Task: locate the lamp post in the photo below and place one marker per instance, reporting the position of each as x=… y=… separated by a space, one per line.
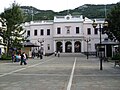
x=41 y=44
x=105 y=24
x=87 y=40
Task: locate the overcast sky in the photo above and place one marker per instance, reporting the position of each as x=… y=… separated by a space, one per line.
x=55 y=5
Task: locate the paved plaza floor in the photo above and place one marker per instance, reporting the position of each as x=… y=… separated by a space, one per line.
x=67 y=72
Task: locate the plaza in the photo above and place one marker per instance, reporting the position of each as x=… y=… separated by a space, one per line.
x=67 y=72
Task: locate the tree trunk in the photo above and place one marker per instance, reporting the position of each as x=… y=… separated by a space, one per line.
x=8 y=46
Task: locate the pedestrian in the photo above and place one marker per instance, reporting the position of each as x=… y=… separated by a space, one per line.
x=55 y=53
x=23 y=59
x=58 y=53
x=33 y=54
x=13 y=57
x=40 y=54
x=18 y=57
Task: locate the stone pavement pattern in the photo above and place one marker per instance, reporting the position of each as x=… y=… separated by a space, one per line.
x=54 y=73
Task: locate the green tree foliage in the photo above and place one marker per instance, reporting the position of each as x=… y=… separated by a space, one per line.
x=114 y=22
x=14 y=18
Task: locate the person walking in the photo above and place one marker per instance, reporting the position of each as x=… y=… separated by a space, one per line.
x=33 y=54
x=40 y=54
x=55 y=53
x=13 y=57
x=23 y=59
x=58 y=53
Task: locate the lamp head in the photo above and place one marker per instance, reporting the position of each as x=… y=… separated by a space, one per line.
x=105 y=24
x=94 y=24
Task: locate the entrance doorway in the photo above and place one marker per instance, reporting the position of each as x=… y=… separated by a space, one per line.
x=68 y=47
x=59 y=46
x=77 y=46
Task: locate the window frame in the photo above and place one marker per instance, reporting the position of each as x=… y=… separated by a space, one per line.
x=88 y=31
x=41 y=32
x=35 y=32
x=58 y=30
x=48 y=31
x=77 y=30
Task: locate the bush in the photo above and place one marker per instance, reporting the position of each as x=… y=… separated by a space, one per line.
x=5 y=57
x=116 y=57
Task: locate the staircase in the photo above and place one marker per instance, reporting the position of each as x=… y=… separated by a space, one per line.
x=72 y=55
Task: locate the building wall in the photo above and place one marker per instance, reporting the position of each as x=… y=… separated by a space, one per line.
x=2 y=48
x=47 y=40
x=65 y=23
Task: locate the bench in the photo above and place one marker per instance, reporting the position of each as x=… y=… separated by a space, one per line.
x=117 y=62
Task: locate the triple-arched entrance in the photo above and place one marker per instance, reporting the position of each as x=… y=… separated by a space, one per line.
x=68 y=46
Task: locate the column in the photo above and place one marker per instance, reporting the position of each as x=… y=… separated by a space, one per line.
x=105 y=51
x=73 y=47
x=43 y=44
x=82 y=46
x=54 y=45
x=63 y=43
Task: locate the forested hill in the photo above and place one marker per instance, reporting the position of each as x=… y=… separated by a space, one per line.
x=88 y=10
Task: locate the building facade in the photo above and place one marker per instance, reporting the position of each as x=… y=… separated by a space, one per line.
x=3 y=27
x=67 y=34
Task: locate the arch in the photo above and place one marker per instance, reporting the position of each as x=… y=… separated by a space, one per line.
x=59 y=46
x=68 y=46
x=77 y=46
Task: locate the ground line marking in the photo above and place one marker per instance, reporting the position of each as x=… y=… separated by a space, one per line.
x=71 y=77
x=25 y=68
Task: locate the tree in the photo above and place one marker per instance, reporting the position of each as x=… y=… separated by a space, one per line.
x=14 y=16
x=114 y=22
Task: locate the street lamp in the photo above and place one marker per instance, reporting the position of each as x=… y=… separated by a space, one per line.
x=105 y=25
x=87 y=40
x=41 y=43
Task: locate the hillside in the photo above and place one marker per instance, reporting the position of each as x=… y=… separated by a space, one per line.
x=87 y=10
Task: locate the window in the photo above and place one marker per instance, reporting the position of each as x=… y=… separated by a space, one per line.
x=58 y=30
x=28 y=33
x=48 y=31
x=67 y=18
x=88 y=31
x=41 y=32
x=96 y=31
x=48 y=46
x=77 y=30
x=35 y=32
x=68 y=31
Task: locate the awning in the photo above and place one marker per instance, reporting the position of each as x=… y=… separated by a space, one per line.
x=108 y=42
x=29 y=44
